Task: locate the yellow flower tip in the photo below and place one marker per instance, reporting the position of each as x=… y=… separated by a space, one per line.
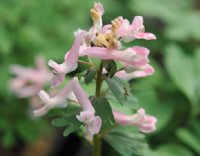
x=94 y=14
x=115 y=24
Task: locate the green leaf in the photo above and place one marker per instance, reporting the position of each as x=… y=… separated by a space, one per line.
x=68 y=120
x=189 y=139
x=130 y=104
x=71 y=110
x=59 y=122
x=103 y=109
x=173 y=150
x=116 y=89
x=110 y=67
x=169 y=149
x=126 y=141
x=181 y=68
x=71 y=128
x=185 y=28
x=123 y=83
x=90 y=75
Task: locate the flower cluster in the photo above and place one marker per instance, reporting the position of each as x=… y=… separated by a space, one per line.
x=105 y=43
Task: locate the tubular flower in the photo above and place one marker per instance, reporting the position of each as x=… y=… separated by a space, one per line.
x=29 y=81
x=69 y=64
x=96 y=15
x=142 y=71
x=87 y=116
x=58 y=101
x=135 y=30
x=145 y=123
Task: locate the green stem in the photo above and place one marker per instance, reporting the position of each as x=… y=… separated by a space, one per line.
x=86 y=63
x=99 y=80
x=97 y=145
x=97 y=139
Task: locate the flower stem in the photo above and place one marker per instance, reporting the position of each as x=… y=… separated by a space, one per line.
x=99 y=80
x=97 y=142
x=97 y=145
x=86 y=63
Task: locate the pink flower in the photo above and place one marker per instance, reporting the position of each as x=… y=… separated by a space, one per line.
x=96 y=13
x=145 y=123
x=69 y=64
x=129 y=32
x=29 y=81
x=87 y=116
x=134 y=57
x=58 y=101
x=142 y=71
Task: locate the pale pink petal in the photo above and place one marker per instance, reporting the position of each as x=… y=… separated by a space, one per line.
x=73 y=55
x=17 y=69
x=145 y=35
x=141 y=51
x=145 y=123
x=41 y=111
x=70 y=62
x=99 y=8
x=81 y=96
x=43 y=95
x=16 y=84
x=135 y=30
x=122 y=119
x=95 y=127
x=149 y=124
x=86 y=116
x=57 y=80
x=60 y=100
x=148 y=70
x=137 y=24
x=58 y=68
x=105 y=54
x=131 y=56
x=27 y=91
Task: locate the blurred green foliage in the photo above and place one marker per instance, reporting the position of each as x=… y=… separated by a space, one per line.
x=172 y=94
